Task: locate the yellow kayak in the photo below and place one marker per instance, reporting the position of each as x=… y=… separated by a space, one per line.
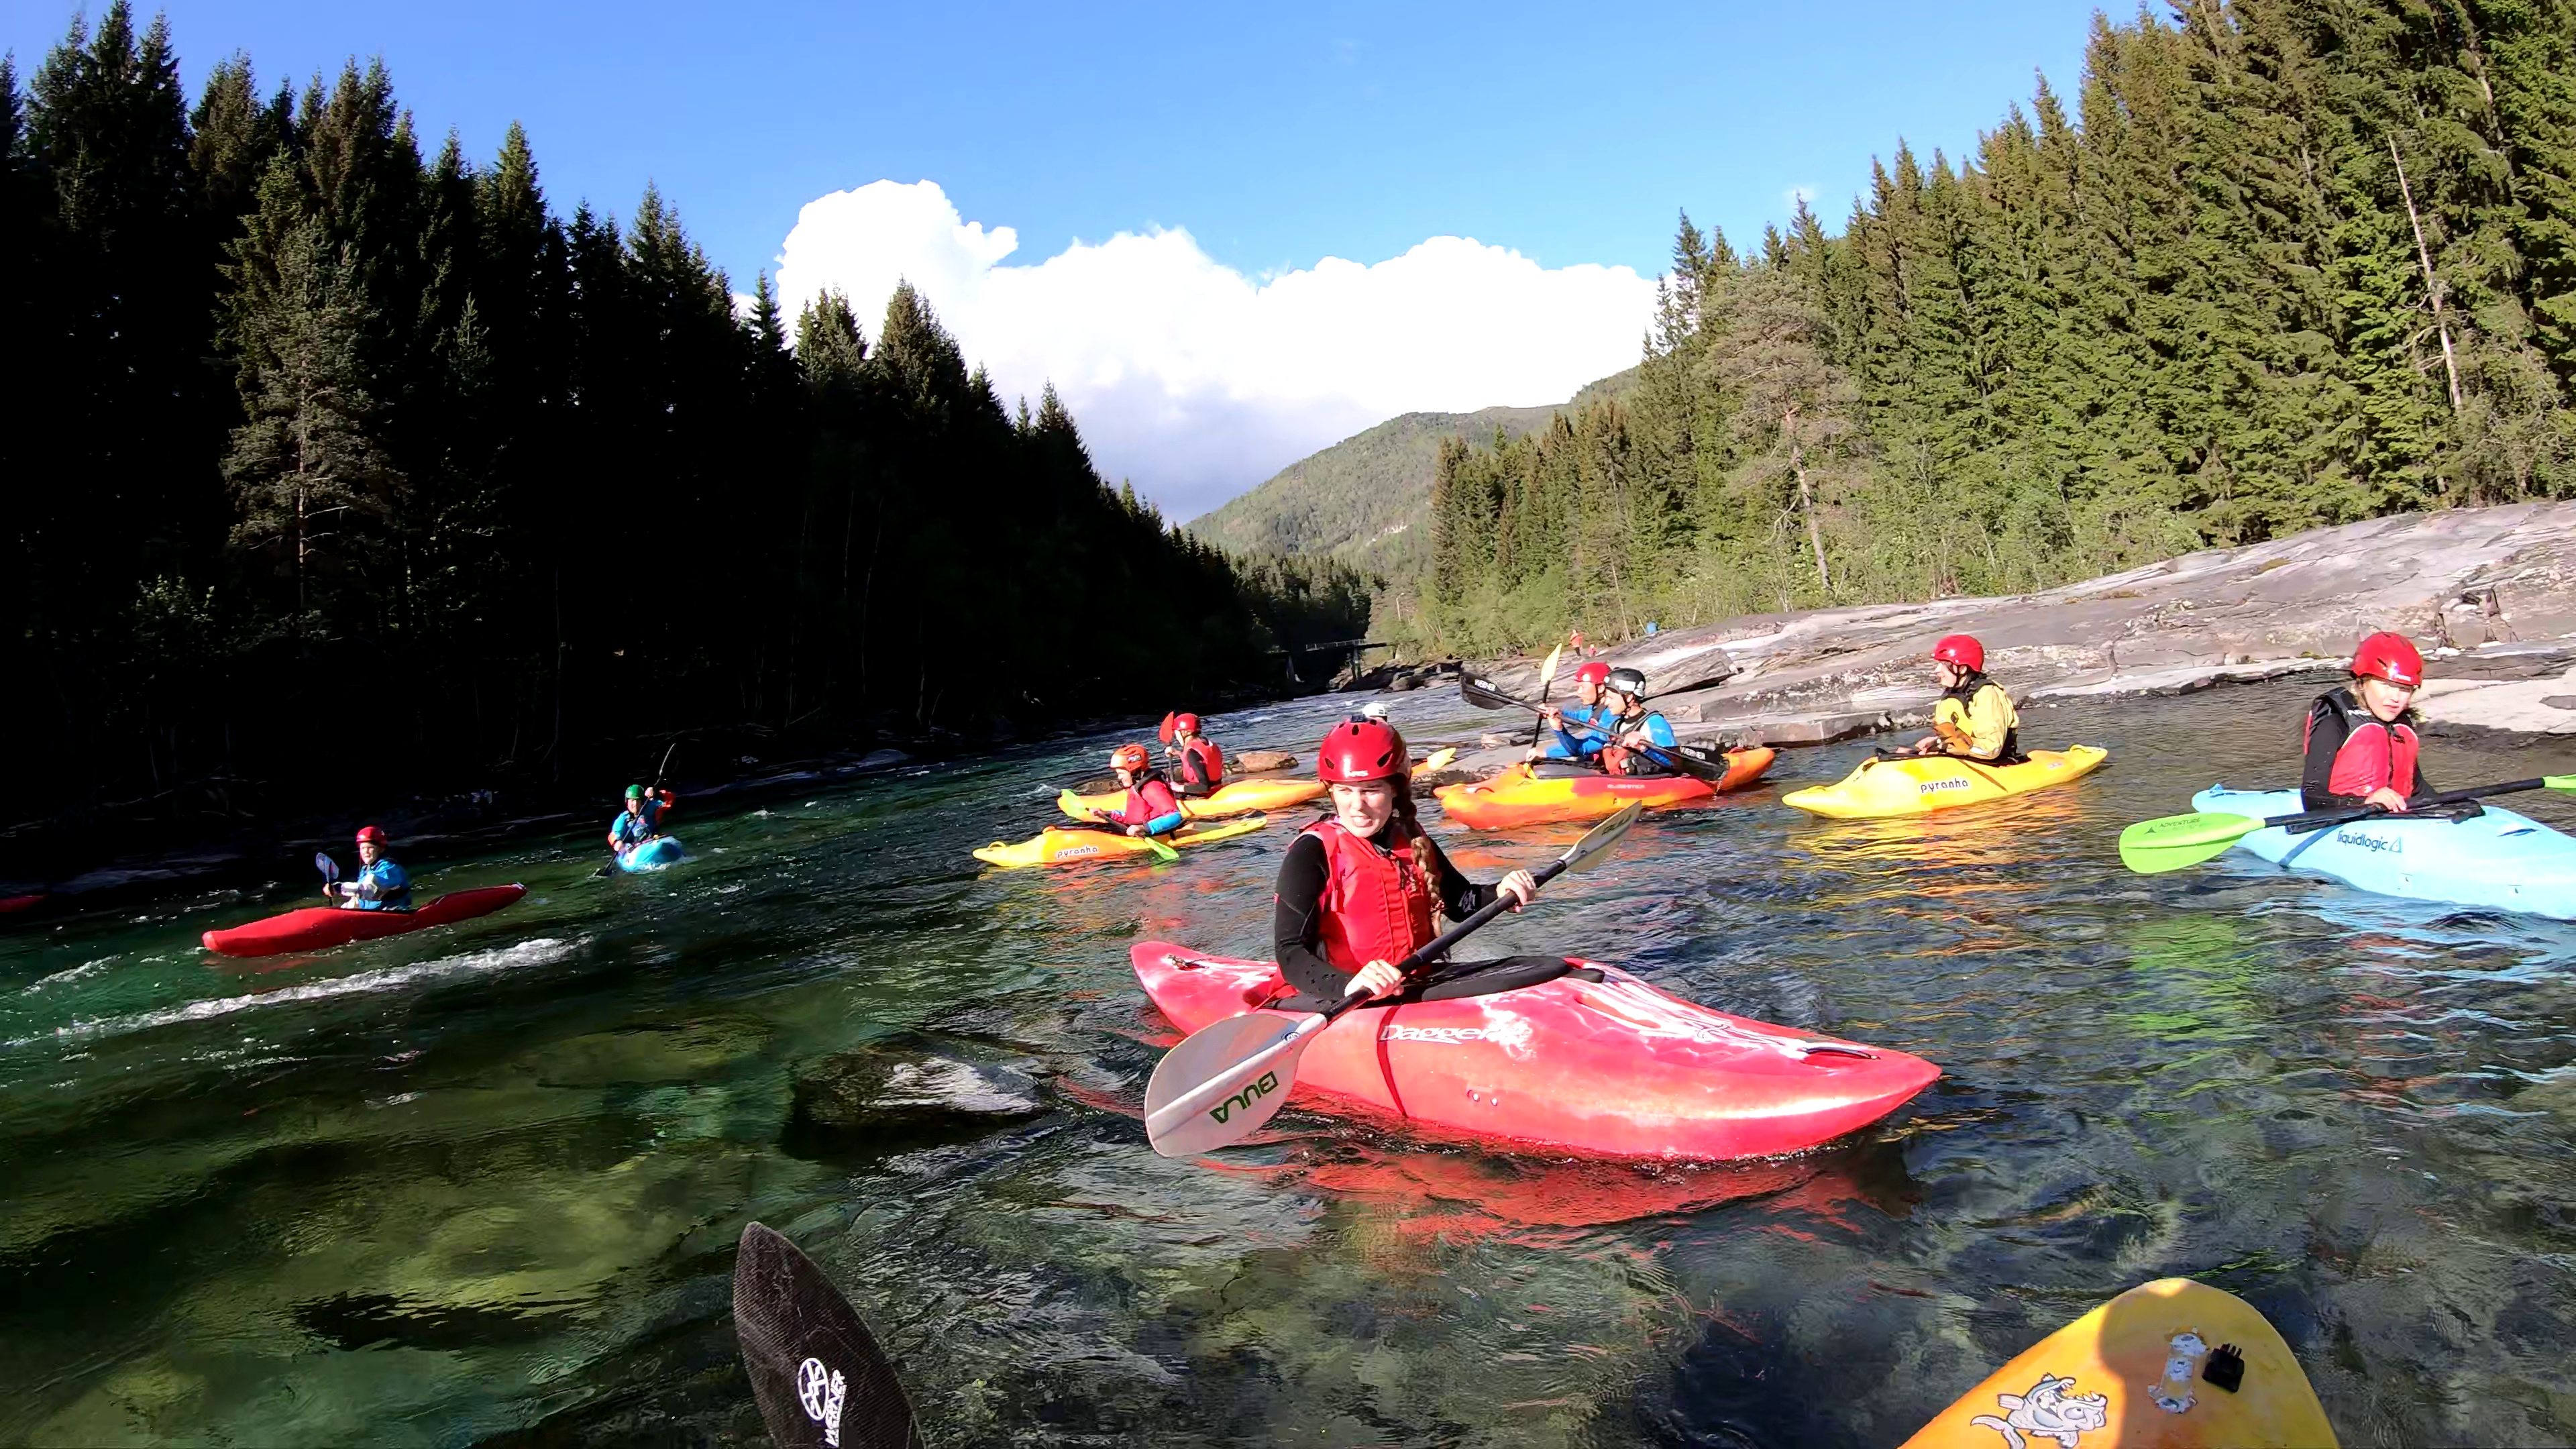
x=2167 y=1365
x=1913 y=786
x=1057 y=846
x=1237 y=798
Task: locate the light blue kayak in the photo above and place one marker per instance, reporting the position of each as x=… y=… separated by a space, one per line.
x=2499 y=859
x=653 y=854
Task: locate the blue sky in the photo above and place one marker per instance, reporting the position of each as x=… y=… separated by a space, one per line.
x=1276 y=137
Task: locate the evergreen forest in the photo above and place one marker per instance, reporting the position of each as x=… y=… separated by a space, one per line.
x=344 y=465
x=2282 y=263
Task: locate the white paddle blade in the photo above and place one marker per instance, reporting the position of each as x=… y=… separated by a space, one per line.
x=1603 y=838
x=1225 y=1080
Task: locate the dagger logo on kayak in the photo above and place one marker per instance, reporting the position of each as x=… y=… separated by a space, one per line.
x=821 y=1392
x=1268 y=1084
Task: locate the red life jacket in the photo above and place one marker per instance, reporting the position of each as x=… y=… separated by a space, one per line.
x=2374 y=753
x=1377 y=905
x=1147 y=801
x=1209 y=759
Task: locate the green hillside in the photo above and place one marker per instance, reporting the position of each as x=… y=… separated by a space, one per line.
x=1364 y=499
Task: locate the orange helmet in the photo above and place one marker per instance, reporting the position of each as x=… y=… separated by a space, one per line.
x=2388 y=656
x=1130 y=757
x=1962 y=650
x=1361 y=749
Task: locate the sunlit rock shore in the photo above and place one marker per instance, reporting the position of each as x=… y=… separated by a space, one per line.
x=2489 y=593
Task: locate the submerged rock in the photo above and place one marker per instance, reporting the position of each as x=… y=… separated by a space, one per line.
x=907 y=1090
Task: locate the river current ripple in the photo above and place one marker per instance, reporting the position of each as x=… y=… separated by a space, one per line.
x=482 y=1184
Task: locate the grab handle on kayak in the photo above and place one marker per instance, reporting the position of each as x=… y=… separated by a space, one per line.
x=1837 y=1049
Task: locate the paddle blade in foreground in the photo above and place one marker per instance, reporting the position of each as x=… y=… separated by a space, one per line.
x=1603 y=838
x=2152 y=847
x=1237 y=1050
x=817 y=1376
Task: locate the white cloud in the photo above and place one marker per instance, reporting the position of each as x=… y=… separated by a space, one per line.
x=1802 y=194
x=1197 y=381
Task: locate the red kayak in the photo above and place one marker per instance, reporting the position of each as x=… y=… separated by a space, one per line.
x=317 y=928
x=18 y=903
x=1612 y=1068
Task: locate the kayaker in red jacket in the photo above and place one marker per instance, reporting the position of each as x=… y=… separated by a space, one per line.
x=1359 y=891
x=1150 y=808
x=2361 y=745
x=1198 y=766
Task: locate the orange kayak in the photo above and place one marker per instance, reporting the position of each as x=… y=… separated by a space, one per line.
x=1517 y=797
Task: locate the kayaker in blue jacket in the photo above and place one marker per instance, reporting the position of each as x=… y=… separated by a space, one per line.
x=1582 y=746
x=642 y=819
x=380 y=885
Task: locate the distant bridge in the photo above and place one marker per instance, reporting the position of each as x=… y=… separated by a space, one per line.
x=1326 y=658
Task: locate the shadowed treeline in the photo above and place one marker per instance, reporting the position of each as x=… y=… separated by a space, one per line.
x=336 y=463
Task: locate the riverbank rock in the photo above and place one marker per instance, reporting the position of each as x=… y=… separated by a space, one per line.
x=2485 y=584
x=908 y=1091
x=1261 y=762
x=2542 y=706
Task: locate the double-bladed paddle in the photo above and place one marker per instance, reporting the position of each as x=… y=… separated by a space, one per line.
x=2152 y=847
x=1483 y=695
x=330 y=870
x=819 y=1379
x=1546 y=682
x=1071 y=804
x=1438 y=759
x=1228 y=1077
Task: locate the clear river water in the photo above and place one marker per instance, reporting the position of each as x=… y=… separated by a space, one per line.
x=482 y=1184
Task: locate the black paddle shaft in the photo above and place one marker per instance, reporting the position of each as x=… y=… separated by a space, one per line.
x=2316 y=820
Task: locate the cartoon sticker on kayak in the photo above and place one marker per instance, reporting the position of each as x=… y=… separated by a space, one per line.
x=2047 y=1411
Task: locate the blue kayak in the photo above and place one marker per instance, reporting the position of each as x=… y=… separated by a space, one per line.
x=653 y=854
x=2499 y=859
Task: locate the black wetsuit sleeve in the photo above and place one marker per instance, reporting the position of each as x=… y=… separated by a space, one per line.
x=2423 y=786
x=2326 y=733
x=1297 y=923
x=1459 y=896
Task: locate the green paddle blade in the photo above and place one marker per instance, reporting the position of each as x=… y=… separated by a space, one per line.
x=2560 y=782
x=2152 y=847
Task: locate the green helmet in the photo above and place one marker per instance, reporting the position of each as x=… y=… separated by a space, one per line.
x=634 y=792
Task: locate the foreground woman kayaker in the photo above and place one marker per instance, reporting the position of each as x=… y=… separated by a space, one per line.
x=2361 y=745
x=380 y=885
x=1198 y=766
x=1974 y=719
x=641 y=819
x=1151 y=808
x=1358 y=891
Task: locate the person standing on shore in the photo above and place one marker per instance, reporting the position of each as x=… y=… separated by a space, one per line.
x=1198 y=766
x=1974 y=718
x=380 y=885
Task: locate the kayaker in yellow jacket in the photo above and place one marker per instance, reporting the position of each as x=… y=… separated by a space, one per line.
x=1974 y=719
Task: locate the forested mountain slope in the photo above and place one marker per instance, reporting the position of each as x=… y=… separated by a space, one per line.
x=2282 y=263
x=1364 y=499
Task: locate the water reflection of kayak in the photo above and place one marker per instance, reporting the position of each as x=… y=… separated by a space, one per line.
x=2167 y=1365
x=1613 y=1068
x=2498 y=858
x=317 y=928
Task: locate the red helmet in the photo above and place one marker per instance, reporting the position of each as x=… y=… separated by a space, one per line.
x=368 y=832
x=1962 y=650
x=2392 y=657
x=1361 y=749
x=1130 y=757
x=1186 y=722
x=1595 y=672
